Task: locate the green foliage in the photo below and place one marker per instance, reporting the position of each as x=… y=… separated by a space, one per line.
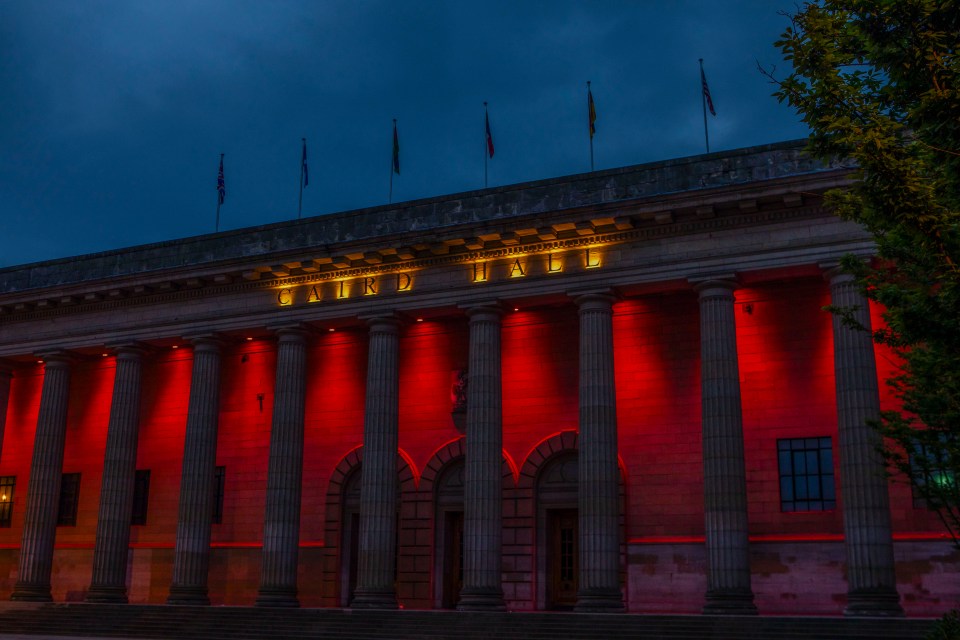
x=946 y=628
x=878 y=82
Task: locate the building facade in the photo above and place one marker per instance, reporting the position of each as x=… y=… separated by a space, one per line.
x=606 y=392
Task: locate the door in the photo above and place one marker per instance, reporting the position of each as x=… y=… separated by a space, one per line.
x=453 y=558
x=563 y=558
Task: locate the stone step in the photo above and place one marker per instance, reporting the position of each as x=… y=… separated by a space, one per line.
x=241 y=623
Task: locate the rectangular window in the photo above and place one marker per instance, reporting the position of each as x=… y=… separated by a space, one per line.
x=930 y=469
x=806 y=474
x=141 y=492
x=69 y=498
x=7 y=485
x=218 y=482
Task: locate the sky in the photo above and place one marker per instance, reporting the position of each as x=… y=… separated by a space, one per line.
x=114 y=113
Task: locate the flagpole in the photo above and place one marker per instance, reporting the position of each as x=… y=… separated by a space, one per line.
x=393 y=144
x=219 y=201
x=485 y=149
x=703 y=99
x=300 y=204
x=589 y=128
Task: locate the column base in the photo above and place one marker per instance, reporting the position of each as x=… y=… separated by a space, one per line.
x=730 y=602
x=481 y=599
x=27 y=592
x=188 y=595
x=370 y=598
x=599 y=600
x=277 y=597
x=878 y=602
x=105 y=594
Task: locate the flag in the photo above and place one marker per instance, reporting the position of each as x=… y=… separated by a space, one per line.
x=706 y=91
x=396 y=149
x=592 y=111
x=303 y=163
x=221 y=186
x=489 y=135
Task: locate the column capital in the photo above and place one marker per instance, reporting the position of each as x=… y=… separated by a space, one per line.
x=129 y=350
x=488 y=310
x=208 y=342
x=293 y=332
x=594 y=299
x=57 y=359
x=835 y=274
x=383 y=323
x=729 y=282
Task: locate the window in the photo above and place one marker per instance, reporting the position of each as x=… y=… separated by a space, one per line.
x=141 y=491
x=929 y=464
x=806 y=474
x=69 y=497
x=7 y=485
x=218 y=481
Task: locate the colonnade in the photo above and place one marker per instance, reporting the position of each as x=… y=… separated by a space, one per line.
x=866 y=518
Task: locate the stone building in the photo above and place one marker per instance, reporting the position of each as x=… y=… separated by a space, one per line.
x=609 y=391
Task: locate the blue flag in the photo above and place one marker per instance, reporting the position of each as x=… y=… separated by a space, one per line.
x=221 y=186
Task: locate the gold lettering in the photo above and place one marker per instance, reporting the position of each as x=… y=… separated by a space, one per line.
x=404 y=282
x=314 y=295
x=516 y=270
x=593 y=260
x=370 y=286
x=284 y=298
x=479 y=271
x=342 y=292
x=553 y=266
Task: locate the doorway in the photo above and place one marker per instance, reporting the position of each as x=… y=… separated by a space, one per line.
x=563 y=554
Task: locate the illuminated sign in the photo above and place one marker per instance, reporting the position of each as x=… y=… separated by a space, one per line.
x=484 y=270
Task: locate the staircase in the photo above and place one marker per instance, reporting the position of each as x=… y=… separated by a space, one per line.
x=240 y=623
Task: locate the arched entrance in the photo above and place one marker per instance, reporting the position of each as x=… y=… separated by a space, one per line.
x=350 y=537
x=449 y=534
x=558 y=532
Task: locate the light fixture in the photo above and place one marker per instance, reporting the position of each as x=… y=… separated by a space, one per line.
x=249 y=338
x=419 y=319
x=331 y=329
x=39 y=361
x=104 y=354
x=176 y=346
x=516 y=308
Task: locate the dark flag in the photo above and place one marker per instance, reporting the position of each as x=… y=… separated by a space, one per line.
x=221 y=185
x=396 y=149
x=489 y=135
x=592 y=112
x=706 y=91
x=303 y=162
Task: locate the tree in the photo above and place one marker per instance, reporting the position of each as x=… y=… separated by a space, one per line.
x=878 y=82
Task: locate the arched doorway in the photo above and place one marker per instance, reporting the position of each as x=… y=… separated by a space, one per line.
x=558 y=532
x=449 y=534
x=350 y=537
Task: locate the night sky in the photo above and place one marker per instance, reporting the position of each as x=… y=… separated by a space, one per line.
x=113 y=114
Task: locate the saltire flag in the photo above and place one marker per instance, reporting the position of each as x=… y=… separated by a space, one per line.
x=396 y=149
x=221 y=185
x=706 y=91
x=303 y=163
x=592 y=111
x=489 y=135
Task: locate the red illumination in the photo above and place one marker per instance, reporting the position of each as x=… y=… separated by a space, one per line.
x=331 y=329
x=176 y=346
x=249 y=338
x=419 y=319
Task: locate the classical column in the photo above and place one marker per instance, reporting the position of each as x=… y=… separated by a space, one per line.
x=111 y=550
x=281 y=527
x=482 y=497
x=871 y=581
x=6 y=373
x=376 y=569
x=599 y=508
x=191 y=559
x=724 y=472
x=43 y=492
